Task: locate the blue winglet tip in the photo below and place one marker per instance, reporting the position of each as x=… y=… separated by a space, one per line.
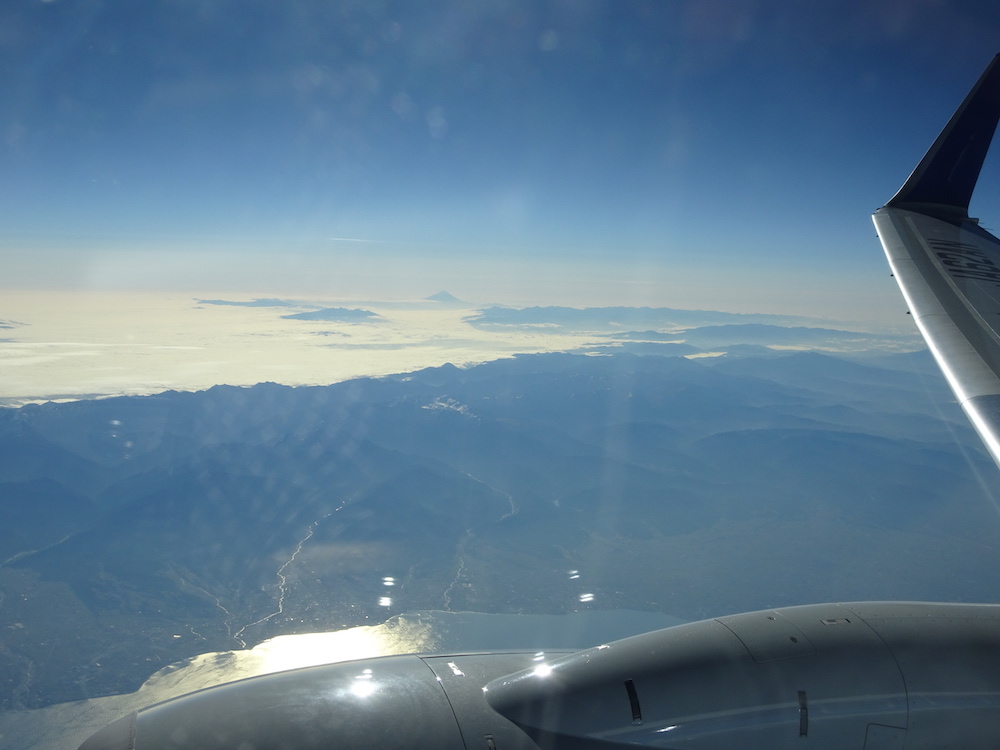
x=945 y=178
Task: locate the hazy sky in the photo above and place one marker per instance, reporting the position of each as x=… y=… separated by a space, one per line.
x=610 y=150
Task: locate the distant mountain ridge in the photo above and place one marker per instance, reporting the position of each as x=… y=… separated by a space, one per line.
x=768 y=335
x=261 y=302
x=339 y=314
x=616 y=318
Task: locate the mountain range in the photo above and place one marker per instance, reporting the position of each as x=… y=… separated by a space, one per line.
x=139 y=531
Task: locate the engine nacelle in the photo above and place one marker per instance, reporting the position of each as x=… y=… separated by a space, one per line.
x=872 y=676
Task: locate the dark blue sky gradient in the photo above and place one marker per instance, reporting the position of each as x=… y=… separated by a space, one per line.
x=566 y=129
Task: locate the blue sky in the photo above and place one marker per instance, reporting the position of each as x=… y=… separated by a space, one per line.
x=718 y=137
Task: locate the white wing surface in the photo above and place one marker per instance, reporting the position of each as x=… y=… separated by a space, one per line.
x=946 y=265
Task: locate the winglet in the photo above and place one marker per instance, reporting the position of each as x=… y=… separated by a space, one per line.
x=943 y=181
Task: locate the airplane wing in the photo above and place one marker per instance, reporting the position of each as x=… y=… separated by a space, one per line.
x=946 y=265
